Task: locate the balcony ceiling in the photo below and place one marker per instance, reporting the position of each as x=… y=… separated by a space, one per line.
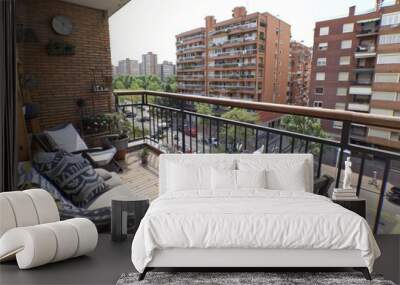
x=111 y=6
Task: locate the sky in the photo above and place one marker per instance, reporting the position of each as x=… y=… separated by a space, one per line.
x=151 y=25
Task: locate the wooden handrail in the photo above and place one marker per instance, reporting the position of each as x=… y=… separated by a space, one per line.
x=328 y=114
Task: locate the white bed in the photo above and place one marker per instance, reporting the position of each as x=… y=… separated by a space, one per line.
x=193 y=224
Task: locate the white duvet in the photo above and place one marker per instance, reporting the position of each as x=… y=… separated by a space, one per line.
x=250 y=219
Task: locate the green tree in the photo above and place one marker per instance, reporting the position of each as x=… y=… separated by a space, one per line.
x=118 y=84
x=304 y=125
x=170 y=84
x=204 y=109
x=240 y=115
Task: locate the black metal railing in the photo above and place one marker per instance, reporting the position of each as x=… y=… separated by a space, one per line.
x=169 y=122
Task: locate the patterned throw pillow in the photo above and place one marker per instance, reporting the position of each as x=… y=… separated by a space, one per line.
x=71 y=174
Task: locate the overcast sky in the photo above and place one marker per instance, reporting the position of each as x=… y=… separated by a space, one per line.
x=151 y=25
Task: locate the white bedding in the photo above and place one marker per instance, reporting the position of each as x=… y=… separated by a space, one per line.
x=250 y=219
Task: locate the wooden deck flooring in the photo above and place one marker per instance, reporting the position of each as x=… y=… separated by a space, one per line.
x=143 y=180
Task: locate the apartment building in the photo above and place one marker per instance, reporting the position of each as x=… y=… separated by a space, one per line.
x=149 y=64
x=127 y=67
x=166 y=69
x=356 y=67
x=300 y=58
x=245 y=57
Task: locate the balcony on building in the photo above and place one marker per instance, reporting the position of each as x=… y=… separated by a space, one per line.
x=362 y=82
x=234 y=28
x=365 y=65
x=191 y=58
x=358 y=107
x=365 y=51
x=368 y=27
x=360 y=90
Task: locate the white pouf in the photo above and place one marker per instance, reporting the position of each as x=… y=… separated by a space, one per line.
x=31 y=233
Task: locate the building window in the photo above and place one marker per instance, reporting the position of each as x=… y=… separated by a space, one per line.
x=346 y=44
x=388 y=58
x=344 y=60
x=390 y=19
x=379 y=133
x=320 y=76
x=389 y=39
x=317 y=104
x=387 y=77
x=348 y=28
x=324 y=31
x=323 y=46
x=321 y=61
x=341 y=91
x=319 y=91
x=343 y=76
x=338 y=124
x=384 y=112
x=385 y=96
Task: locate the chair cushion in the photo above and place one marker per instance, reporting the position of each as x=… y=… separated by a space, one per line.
x=67 y=138
x=102 y=157
x=103 y=173
x=73 y=175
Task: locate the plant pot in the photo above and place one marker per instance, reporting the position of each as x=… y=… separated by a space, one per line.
x=145 y=161
x=121 y=154
x=121 y=145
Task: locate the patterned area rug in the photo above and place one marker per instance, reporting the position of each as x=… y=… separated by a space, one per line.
x=269 y=278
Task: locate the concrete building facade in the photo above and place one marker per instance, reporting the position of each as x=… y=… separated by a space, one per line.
x=149 y=64
x=166 y=69
x=356 y=67
x=300 y=58
x=128 y=67
x=245 y=57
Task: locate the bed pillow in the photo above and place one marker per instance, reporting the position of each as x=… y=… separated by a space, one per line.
x=251 y=179
x=278 y=179
x=72 y=175
x=185 y=178
x=223 y=179
x=282 y=174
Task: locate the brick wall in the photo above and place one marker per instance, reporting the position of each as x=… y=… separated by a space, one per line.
x=61 y=80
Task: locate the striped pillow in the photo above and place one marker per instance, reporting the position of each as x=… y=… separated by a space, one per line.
x=73 y=175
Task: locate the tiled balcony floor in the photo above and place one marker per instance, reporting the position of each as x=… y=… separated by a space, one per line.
x=142 y=180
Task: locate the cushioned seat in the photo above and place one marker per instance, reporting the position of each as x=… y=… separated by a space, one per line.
x=67 y=138
x=31 y=233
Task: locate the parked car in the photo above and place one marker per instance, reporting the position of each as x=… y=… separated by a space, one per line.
x=130 y=114
x=394 y=195
x=211 y=141
x=163 y=126
x=144 y=119
x=192 y=132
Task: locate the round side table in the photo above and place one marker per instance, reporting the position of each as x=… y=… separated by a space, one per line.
x=126 y=215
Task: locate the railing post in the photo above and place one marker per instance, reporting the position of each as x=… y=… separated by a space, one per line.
x=344 y=142
x=382 y=194
x=141 y=113
x=183 y=125
x=116 y=102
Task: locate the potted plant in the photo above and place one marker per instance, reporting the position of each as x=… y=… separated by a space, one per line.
x=144 y=156
x=120 y=128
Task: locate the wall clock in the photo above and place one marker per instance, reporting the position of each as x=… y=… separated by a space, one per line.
x=62 y=25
